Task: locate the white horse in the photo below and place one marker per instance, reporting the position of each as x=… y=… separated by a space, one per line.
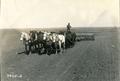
x=46 y=40
x=24 y=36
x=26 y=41
x=61 y=42
x=56 y=39
x=60 y=39
x=45 y=35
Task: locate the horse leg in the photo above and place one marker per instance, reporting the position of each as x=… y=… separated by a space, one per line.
x=49 y=50
x=56 y=48
x=38 y=48
x=46 y=49
x=35 y=45
x=26 y=49
x=63 y=44
x=30 y=46
x=63 y=47
x=60 y=46
x=53 y=48
x=42 y=48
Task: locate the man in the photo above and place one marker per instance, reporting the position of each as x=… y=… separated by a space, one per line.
x=68 y=27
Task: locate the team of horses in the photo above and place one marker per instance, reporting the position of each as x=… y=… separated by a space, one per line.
x=44 y=42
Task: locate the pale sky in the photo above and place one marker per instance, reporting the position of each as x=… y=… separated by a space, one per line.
x=57 y=13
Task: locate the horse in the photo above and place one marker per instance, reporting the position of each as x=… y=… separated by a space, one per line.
x=61 y=42
x=52 y=41
x=26 y=41
x=41 y=41
x=58 y=39
x=33 y=37
x=47 y=38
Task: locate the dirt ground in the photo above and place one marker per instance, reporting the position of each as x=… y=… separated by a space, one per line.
x=87 y=61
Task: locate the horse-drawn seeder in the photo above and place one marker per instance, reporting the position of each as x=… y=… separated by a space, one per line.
x=43 y=42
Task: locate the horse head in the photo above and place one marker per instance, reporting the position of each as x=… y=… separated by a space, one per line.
x=44 y=36
x=24 y=36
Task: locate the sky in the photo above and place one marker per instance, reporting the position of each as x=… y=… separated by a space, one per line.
x=57 y=13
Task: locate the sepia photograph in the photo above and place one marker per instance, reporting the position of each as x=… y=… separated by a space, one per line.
x=60 y=40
